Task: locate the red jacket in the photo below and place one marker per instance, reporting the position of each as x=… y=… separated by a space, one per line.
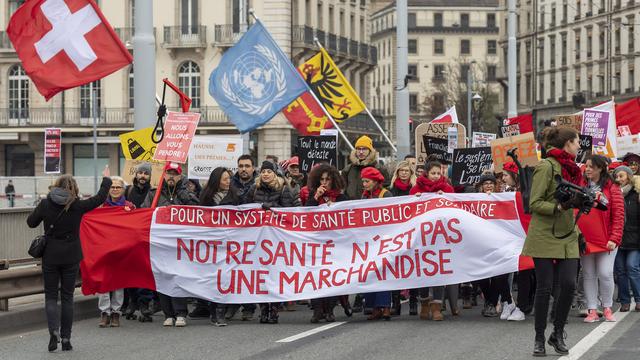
x=598 y=227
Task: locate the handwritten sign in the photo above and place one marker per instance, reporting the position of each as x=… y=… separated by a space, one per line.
x=317 y=149
x=595 y=123
x=624 y=130
x=572 y=121
x=437 y=147
x=435 y=130
x=179 y=130
x=510 y=130
x=526 y=144
x=469 y=164
x=209 y=152
x=481 y=139
x=586 y=148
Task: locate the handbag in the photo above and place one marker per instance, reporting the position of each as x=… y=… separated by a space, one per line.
x=36 y=249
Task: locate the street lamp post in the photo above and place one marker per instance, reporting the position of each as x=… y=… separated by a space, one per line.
x=469 y=83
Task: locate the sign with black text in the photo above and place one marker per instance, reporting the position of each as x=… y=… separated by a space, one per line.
x=586 y=148
x=510 y=130
x=317 y=149
x=437 y=147
x=52 y=150
x=469 y=164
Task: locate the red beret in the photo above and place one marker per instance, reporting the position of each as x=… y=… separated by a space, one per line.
x=372 y=173
x=510 y=167
x=615 y=165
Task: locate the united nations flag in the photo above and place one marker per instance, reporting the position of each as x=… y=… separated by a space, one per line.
x=255 y=80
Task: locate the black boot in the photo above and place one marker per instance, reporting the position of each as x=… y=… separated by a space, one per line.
x=264 y=313
x=54 y=339
x=557 y=341
x=66 y=345
x=273 y=314
x=538 y=346
x=357 y=304
x=413 y=307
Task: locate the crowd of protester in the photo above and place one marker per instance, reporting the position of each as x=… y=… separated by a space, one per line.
x=577 y=270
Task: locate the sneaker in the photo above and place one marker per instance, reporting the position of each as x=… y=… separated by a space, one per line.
x=582 y=310
x=168 y=322
x=516 y=315
x=220 y=322
x=507 y=309
x=608 y=315
x=592 y=317
x=181 y=321
x=490 y=311
x=247 y=315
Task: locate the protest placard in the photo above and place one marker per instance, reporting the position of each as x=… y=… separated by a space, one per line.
x=452 y=139
x=317 y=149
x=629 y=144
x=572 y=121
x=526 y=144
x=469 y=164
x=624 y=130
x=137 y=145
x=510 y=130
x=179 y=129
x=586 y=148
x=129 y=171
x=595 y=123
x=210 y=151
x=52 y=150
x=481 y=139
x=437 y=147
x=436 y=130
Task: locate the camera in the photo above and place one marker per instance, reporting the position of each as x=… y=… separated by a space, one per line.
x=581 y=198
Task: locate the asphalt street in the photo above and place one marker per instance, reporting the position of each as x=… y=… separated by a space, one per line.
x=468 y=336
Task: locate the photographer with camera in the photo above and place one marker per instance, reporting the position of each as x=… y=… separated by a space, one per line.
x=602 y=232
x=549 y=250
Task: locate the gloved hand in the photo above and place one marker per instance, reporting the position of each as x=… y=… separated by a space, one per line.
x=266 y=206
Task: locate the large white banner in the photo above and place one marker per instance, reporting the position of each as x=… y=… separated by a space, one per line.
x=249 y=255
x=209 y=152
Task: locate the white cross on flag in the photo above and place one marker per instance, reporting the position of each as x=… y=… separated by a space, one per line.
x=65 y=43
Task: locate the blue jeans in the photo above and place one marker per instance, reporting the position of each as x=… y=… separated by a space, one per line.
x=627 y=269
x=378 y=299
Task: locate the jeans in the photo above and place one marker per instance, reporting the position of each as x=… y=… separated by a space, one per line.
x=567 y=272
x=627 y=269
x=62 y=279
x=111 y=302
x=597 y=271
x=173 y=307
x=378 y=299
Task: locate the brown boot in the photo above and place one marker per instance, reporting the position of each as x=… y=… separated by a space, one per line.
x=115 y=320
x=104 y=320
x=425 y=311
x=386 y=313
x=376 y=314
x=436 y=314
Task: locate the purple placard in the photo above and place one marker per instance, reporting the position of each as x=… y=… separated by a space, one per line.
x=596 y=123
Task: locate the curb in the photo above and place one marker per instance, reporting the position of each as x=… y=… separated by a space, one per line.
x=33 y=317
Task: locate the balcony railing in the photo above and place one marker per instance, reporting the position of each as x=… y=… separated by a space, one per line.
x=228 y=34
x=362 y=123
x=333 y=42
x=343 y=45
x=302 y=35
x=5 y=43
x=322 y=37
x=364 y=52
x=353 y=48
x=185 y=36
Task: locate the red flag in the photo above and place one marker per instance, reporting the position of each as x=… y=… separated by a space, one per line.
x=628 y=113
x=65 y=43
x=306 y=115
x=450 y=116
x=185 y=101
x=524 y=121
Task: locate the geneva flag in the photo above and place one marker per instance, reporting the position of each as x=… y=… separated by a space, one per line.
x=254 y=80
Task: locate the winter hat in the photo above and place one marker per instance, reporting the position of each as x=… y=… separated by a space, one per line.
x=615 y=165
x=372 y=173
x=625 y=169
x=173 y=166
x=268 y=165
x=487 y=177
x=364 y=141
x=510 y=167
x=631 y=157
x=144 y=167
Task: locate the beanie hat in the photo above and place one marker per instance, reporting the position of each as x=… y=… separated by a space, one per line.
x=625 y=169
x=364 y=141
x=372 y=173
x=615 y=165
x=510 y=167
x=487 y=177
x=173 y=166
x=268 y=165
x=144 y=167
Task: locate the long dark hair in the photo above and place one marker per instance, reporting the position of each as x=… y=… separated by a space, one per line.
x=213 y=186
x=313 y=182
x=602 y=163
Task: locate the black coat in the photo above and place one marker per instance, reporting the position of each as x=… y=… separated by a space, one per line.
x=63 y=243
x=397 y=192
x=232 y=198
x=137 y=194
x=630 y=236
x=179 y=195
x=271 y=198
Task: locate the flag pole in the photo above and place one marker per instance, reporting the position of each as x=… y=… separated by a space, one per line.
x=367 y=110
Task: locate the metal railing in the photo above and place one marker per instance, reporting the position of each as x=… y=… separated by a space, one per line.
x=228 y=34
x=343 y=45
x=333 y=42
x=15 y=235
x=353 y=48
x=185 y=36
x=302 y=35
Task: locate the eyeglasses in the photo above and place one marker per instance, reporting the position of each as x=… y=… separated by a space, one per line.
x=116 y=187
x=362 y=149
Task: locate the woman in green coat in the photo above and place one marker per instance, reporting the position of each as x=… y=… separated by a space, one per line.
x=550 y=221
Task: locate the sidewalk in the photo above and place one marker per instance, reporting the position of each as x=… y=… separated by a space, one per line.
x=27 y=313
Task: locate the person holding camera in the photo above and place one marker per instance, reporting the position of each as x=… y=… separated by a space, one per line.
x=602 y=232
x=552 y=239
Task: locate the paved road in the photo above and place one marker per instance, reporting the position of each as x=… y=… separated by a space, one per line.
x=469 y=336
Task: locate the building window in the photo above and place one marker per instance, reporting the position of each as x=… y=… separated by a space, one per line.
x=491 y=20
x=564 y=49
x=86 y=99
x=19 y=160
x=492 y=47
x=437 y=19
x=189 y=16
x=83 y=164
x=528 y=54
x=131 y=90
x=552 y=52
x=438 y=46
x=413 y=102
x=589 y=44
x=413 y=46
x=464 y=72
x=528 y=88
x=465 y=47
x=542 y=18
x=132 y=12
x=320 y=17
x=553 y=16
x=412 y=72
x=491 y=73
x=411 y=20
x=438 y=72
x=631 y=33
x=577 y=46
x=189 y=82
x=18 y=93
x=464 y=20
x=631 y=80
x=14 y=5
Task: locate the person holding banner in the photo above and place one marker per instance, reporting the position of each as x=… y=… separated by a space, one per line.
x=245 y=176
x=380 y=302
x=432 y=181
x=327 y=186
x=551 y=252
x=602 y=230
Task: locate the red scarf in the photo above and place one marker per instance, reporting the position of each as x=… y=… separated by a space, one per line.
x=424 y=185
x=400 y=185
x=372 y=195
x=329 y=195
x=570 y=170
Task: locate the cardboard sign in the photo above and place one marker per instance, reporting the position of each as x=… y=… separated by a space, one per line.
x=481 y=139
x=130 y=166
x=510 y=130
x=572 y=121
x=595 y=123
x=586 y=148
x=179 y=129
x=137 y=145
x=52 y=150
x=469 y=164
x=624 y=130
x=317 y=149
x=437 y=147
x=435 y=130
x=629 y=144
x=209 y=152
x=526 y=144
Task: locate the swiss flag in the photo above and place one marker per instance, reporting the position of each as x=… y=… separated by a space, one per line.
x=628 y=113
x=450 y=116
x=65 y=43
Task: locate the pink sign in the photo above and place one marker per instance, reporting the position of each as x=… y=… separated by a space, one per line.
x=179 y=129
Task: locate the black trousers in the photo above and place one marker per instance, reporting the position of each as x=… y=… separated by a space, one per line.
x=526 y=289
x=496 y=287
x=566 y=271
x=59 y=279
x=173 y=307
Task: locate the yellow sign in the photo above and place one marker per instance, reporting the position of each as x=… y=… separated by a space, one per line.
x=137 y=145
